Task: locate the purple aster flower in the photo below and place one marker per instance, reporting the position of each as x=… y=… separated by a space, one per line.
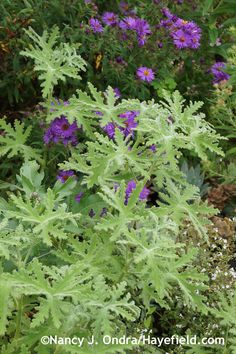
x=130 y=123
x=186 y=34
x=95 y=25
x=50 y=137
x=60 y=130
x=79 y=196
x=124 y=7
x=139 y=25
x=145 y=74
x=110 y=130
x=218 y=73
x=143 y=30
x=117 y=92
x=110 y=19
x=64 y=175
x=63 y=128
x=131 y=185
x=128 y=23
x=181 y=39
x=153 y=148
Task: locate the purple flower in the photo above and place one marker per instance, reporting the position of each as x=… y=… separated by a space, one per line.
x=117 y=92
x=128 y=23
x=124 y=7
x=145 y=74
x=144 y=193
x=153 y=148
x=60 y=130
x=79 y=196
x=181 y=39
x=64 y=175
x=130 y=123
x=143 y=30
x=139 y=25
x=218 y=73
x=131 y=185
x=110 y=19
x=185 y=34
x=120 y=60
x=110 y=130
x=95 y=25
x=98 y=113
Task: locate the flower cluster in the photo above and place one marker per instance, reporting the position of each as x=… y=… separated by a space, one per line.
x=129 y=122
x=218 y=73
x=139 y=25
x=131 y=185
x=185 y=34
x=60 y=130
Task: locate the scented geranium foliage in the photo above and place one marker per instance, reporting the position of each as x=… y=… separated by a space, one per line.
x=88 y=253
x=53 y=63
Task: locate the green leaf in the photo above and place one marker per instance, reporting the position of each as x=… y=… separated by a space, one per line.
x=13 y=141
x=53 y=63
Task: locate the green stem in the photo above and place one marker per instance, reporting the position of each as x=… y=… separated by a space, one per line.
x=18 y=319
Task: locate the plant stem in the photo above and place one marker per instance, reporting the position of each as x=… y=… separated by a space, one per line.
x=18 y=319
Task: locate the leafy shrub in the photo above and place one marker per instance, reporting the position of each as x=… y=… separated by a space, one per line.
x=98 y=251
